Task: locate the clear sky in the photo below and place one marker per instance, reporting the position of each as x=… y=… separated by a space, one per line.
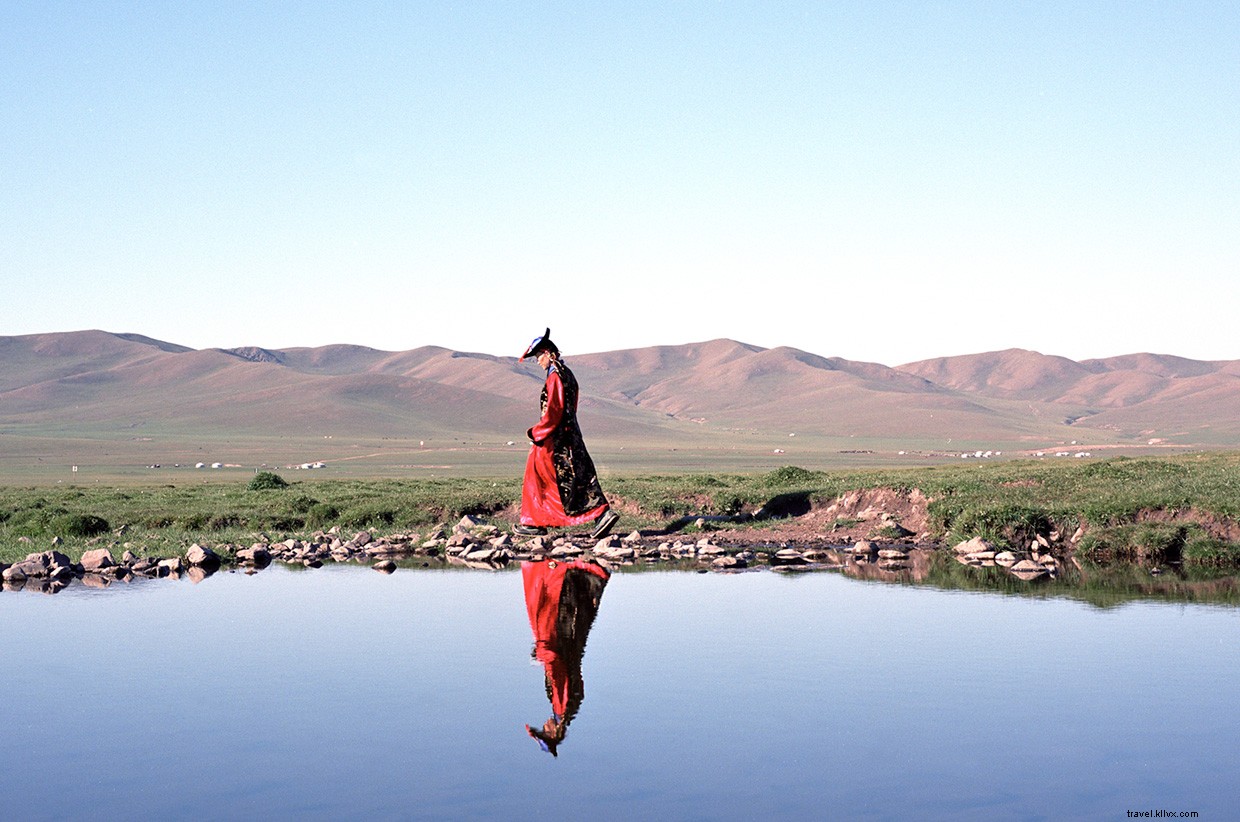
x=881 y=181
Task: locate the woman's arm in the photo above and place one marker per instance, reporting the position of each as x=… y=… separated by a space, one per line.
x=554 y=412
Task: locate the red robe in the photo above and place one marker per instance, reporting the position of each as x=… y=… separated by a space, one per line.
x=561 y=486
x=560 y=655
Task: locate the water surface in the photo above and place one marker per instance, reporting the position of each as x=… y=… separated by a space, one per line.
x=343 y=692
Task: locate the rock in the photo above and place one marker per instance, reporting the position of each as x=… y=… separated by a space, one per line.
x=129 y=557
x=467 y=522
x=171 y=566
x=619 y=553
x=56 y=559
x=1005 y=558
x=679 y=549
x=144 y=564
x=256 y=555
x=34 y=565
x=201 y=556
x=892 y=553
x=97 y=559
x=362 y=538
x=385 y=566
x=607 y=544
x=981 y=556
x=863 y=547
x=1044 y=542
x=1027 y=570
x=13 y=573
x=57 y=541
x=728 y=562
x=973 y=546
x=634 y=536
x=567 y=550
x=502 y=541
x=788 y=556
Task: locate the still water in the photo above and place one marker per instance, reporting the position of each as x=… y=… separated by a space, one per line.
x=343 y=693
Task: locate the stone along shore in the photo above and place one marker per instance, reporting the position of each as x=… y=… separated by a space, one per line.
x=477 y=544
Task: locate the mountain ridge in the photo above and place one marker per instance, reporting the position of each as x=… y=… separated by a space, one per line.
x=107 y=381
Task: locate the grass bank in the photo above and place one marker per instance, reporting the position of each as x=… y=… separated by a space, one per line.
x=1133 y=507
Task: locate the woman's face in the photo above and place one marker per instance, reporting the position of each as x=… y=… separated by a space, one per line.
x=544 y=359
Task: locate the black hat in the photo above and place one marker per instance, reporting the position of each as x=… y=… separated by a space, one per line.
x=548 y=742
x=540 y=344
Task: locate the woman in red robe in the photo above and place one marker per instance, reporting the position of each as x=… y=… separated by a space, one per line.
x=561 y=486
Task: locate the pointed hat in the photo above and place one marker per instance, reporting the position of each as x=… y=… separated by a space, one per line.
x=541 y=343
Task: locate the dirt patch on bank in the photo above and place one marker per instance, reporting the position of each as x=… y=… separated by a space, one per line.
x=872 y=514
x=1216 y=525
x=886 y=514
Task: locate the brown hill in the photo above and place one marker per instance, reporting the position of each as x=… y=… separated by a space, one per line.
x=734 y=385
x=1011 y=374
x=94 y=382
x=1135 y=395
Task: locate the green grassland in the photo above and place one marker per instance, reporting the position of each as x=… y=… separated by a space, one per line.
x=1135 y=507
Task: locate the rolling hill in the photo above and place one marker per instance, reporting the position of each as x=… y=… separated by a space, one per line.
x=101 y=384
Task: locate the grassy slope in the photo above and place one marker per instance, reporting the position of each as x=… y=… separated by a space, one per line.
x=1004 y=501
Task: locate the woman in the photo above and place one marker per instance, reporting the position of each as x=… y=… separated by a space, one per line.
x=561 y=486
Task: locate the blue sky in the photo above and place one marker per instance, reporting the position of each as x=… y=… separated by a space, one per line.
x=878 y=181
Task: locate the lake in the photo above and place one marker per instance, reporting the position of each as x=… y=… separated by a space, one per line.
x=343 y=692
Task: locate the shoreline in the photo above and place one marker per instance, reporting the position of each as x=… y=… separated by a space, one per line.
x=472 y=543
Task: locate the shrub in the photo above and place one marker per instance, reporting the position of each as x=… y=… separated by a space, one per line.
x=302 y=504
x=321 y=514
x=1203 y=549
x=791 y=475
x=1161 y=542
x=365 y=516
x=223 y=521
x=266 y=480
x=79 y=525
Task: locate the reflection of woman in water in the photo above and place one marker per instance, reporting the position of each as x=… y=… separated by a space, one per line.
x=562 y=599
